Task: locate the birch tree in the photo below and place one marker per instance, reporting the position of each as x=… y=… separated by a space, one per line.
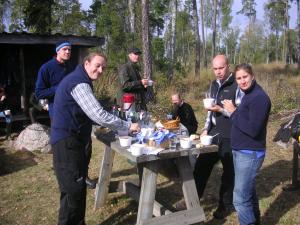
x=147 y=60
x=197 y=39
x=214 y=27
x=171 y=43
x=298 y=31
x=298 y=26
x=203 y=33
x=131 y=15
x=225 y=22
x=248 y=9
x=275 y=12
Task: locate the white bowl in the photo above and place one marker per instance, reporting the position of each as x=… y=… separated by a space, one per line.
x=125 y=141
x=7 y=112
x=208 y=102
x=185 y=142
x=137 y=149
x=206 y=139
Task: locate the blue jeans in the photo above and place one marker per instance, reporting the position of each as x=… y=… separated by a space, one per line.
x=246 y=167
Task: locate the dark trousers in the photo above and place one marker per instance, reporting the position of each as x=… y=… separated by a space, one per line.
x=70 y=161
x=204 y=166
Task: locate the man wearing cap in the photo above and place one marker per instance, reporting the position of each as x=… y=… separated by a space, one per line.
x=52 y=72
x=131 y=81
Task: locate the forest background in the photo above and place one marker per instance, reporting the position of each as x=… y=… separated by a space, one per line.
x=184 y=36
x=180 y=53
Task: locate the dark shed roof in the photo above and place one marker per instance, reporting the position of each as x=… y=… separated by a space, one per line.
x=33 y=39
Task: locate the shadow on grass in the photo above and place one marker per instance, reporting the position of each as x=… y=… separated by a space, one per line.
x=14 y=161
x=124 y=216
x=273 y=176
x=125 y=172
x=269 y=178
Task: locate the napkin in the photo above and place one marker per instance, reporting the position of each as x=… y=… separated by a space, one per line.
x=162 y=135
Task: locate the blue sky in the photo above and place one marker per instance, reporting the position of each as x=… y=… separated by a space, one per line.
x=237 y=19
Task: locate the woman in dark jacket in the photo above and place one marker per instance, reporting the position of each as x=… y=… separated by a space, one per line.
x=248 y=141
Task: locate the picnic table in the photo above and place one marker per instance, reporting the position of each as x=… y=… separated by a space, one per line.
x=150 y=163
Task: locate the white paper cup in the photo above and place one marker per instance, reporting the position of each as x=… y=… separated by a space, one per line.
x=7 y=112
x=137 y=149
x=208 y=102
x=150 y=82
x=206 y=139
x=125 y=141
x=185 y=142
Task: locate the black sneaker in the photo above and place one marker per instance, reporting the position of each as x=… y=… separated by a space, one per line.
x=222 y=212
x=90 y=183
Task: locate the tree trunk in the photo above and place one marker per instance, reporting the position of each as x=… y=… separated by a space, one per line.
x=147 y=59
x=145 y=38
x=197 y=38
x=203 y=33
x=131 y=15
x=171 y=46
x=285 y=35
x=298 y=24
x=267 y=51
x=214 y=28
x=276 y=46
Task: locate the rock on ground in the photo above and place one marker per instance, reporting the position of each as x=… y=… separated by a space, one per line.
x=34 y=137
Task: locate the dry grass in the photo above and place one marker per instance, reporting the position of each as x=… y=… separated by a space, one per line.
x=29 y=192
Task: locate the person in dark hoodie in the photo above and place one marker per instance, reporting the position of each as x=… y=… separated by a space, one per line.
x=248 y=141
x=52 y=72
x=75 y=110
x=185 y=113
x=218 y=123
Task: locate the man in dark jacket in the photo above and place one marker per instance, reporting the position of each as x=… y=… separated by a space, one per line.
x=185 y=113
x=131 y=81
x=52 y=72
x=75 y=110
x=218 y=123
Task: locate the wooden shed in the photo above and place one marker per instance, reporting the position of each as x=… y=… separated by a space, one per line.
x=21 y=56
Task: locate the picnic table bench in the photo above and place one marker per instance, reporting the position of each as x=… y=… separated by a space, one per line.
x=23 y=118
x=146 y=194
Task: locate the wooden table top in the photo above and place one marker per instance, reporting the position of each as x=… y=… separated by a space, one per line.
x=109 y=139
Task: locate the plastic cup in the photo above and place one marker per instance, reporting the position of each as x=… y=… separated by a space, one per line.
x=185 y=143
x=208 y=102
x=206 y=139
x=125 y=141
x=7 y=112
x=172 y=143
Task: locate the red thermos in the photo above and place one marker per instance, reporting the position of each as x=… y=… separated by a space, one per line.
x=128 y=102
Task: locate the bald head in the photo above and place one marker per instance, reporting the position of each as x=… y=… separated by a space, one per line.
x=220 y=66
x=176 y=99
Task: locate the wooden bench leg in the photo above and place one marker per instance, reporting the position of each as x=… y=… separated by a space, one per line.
x=148 y=190
x=188 y=186
x=8 y=130
x=104 y=177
